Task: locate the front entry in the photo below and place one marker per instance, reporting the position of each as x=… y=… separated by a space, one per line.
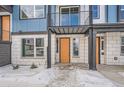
x=97 y=50
x=64 y=50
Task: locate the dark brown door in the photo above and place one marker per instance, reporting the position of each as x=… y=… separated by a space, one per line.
x=64 y=50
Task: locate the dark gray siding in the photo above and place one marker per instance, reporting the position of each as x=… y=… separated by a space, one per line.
x=5 y=53
x=0 y=27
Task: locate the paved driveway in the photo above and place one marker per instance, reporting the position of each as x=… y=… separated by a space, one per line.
x=113 y=72
x=72 y=75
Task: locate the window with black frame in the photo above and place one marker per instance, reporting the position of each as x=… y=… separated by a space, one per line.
x=32 y=49
x=28 y=47
x=69 y=15
x=95 y=11
x=39 y=46
x=122 y=45
x=75 y=47
x=121 y=13
x=32 y=11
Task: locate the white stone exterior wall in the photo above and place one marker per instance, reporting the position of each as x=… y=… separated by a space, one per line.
x=17 y=50
x=83 y=49
x=86 y=49
x=53 y=48
x=113 y=48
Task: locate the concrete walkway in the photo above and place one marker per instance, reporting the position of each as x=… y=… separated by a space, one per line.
x=79 y=75
x=114 y=73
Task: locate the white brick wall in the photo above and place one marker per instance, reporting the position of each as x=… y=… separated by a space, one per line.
x=17 y=50
x=112 y=49
x=86 y=49
x=53 y=48
x=113 y=43
x=83 y=49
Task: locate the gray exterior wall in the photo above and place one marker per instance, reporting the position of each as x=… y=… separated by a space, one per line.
x=0 y=27
x=5 y=53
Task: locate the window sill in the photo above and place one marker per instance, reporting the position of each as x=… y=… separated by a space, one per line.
x=75 y=56
x=33 y=57
x=96 y=18
x=32 y=18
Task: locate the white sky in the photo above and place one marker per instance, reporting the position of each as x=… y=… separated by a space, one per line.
x=62 y=2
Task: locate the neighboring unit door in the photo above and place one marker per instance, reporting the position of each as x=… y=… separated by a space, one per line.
x=64 y=50
x=97 y=50
x=5 y=28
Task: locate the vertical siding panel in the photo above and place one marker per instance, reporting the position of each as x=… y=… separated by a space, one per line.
x=0 y=28
x=5 y=55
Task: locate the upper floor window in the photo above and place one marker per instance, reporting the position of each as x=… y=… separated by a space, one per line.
x=69 y=15
x=121 y=12
x=95 y=11
x=32 y=11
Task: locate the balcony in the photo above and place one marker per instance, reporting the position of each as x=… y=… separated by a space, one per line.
x=74 y=22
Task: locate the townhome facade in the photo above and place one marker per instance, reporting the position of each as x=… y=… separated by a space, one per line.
x=47 y=35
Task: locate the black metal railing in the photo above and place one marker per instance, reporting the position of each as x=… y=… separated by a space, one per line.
x=69 y=19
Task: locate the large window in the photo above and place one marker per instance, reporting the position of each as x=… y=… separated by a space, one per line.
x=31 y=49
x=32 y=11
x=28 y=47
x=75 y=47
x=95 y=11
x=122 y=45
x=69 y=15
x=121 y=12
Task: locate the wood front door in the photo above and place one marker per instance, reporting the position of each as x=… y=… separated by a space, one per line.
x=5 y=28
x=64 y=50
x=97 y=50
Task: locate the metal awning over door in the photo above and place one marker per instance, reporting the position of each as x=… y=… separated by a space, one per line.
x=69 y=29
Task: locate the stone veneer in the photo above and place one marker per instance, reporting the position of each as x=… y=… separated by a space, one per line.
x=17 y=50
x=113 y=48
x=112 y=43
x=83 y=48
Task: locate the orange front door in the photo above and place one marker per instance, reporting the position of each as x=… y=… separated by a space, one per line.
x=5 y=28
x=97 y=50
x=64 y=50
